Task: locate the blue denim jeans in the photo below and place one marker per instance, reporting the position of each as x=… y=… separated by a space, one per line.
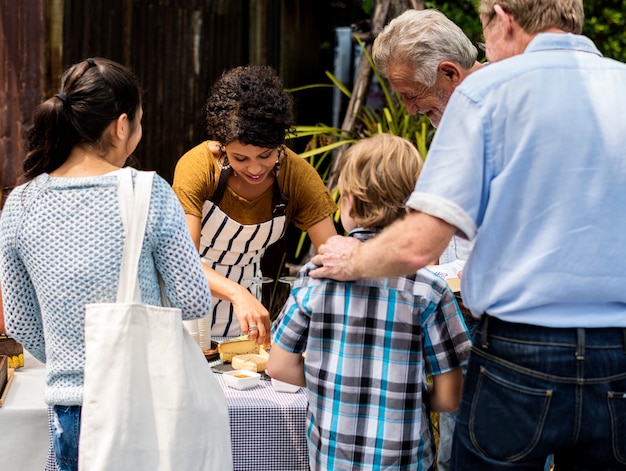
x=65 y=434
x=531 y=391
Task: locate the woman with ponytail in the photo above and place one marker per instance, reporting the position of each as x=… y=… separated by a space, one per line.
x=61 y=234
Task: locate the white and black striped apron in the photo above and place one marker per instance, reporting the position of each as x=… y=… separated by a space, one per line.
x=234 y=250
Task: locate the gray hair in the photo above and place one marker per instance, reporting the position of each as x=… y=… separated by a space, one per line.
x=535 y=16
x=424 y=39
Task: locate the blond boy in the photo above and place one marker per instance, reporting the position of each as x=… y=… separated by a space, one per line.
x=370 y=343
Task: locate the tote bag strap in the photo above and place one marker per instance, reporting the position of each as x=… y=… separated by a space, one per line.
x=134 y=205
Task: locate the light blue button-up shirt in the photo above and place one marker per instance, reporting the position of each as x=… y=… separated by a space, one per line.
x=530 y=160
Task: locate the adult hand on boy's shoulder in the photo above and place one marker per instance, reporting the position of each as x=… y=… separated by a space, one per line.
x=336 y=259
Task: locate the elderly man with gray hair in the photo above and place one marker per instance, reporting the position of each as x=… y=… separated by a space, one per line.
x=425 y=55
x=528 y=161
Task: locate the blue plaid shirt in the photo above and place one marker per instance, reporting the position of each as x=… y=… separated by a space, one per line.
x=369 y=345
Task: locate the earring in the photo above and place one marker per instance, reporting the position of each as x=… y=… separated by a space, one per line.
x=281 y=152
x=222 y=161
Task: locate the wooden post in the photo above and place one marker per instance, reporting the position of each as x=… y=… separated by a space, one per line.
x=361 y=84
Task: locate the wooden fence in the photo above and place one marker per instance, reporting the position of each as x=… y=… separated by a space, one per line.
x=176 y=47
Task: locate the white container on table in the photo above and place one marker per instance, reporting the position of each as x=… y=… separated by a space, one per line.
x=241 y=379
x=281 y=386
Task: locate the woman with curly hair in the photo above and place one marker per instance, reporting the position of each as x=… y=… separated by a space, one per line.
x=241 y=189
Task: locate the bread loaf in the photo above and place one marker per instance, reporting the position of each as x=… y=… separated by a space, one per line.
x=250 y=362
x=237 y=346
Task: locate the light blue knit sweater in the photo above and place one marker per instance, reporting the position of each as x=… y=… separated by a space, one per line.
x=61 y=243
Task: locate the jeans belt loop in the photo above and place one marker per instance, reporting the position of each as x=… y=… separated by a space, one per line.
x=580 y=343
x=485 y=342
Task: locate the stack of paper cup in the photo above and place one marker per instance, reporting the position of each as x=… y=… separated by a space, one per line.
x=204 y=333
x=192 y=328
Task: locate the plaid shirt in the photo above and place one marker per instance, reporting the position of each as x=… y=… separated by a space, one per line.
x=369 y=345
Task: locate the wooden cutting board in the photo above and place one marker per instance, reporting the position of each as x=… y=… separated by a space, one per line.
x=5 y=390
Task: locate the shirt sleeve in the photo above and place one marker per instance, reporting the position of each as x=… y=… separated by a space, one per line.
x=194 y=179
x=454 y=183
x=21 y=308
x=446 y=338
x=291 y=329
x=176 y=257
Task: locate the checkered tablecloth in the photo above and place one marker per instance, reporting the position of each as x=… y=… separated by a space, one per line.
x=267 y=428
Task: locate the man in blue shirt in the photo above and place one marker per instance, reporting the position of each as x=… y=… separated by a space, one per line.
x=533 y=151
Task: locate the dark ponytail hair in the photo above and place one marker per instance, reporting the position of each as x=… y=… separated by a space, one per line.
x=93 y=94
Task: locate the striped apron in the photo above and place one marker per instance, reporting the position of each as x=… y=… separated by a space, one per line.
x=234 y=250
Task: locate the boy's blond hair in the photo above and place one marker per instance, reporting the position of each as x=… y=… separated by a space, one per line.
x=379 y=172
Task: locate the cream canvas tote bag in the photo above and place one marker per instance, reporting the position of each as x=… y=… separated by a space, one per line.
x=151 y=401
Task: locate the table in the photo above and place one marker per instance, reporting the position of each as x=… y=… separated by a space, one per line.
x=25 y=440
x=268 y=428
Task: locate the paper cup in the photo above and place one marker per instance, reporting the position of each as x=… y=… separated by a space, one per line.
x=193 y=329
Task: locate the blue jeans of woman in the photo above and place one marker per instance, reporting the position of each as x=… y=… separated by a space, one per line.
x=65 y=434
x=531 y=391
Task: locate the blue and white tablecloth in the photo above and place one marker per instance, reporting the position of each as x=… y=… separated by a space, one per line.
x=267 y=428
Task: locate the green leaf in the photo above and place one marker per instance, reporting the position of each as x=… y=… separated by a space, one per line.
x=328 y=147
x=339 y=85
x=308 y=87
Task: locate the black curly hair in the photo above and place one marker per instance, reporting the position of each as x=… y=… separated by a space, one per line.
x=249 y=104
